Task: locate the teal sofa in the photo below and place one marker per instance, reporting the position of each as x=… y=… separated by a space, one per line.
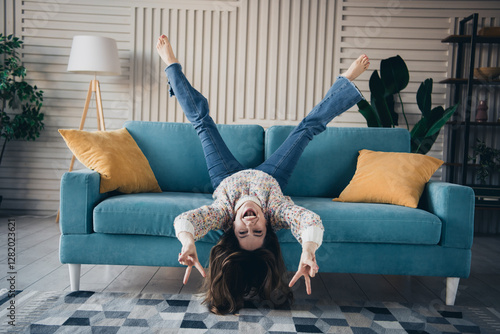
x=434 y=239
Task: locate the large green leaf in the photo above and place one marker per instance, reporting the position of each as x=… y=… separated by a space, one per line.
x=424 y=97
x=438 y=124
x=376 y=85
x=422 y=145
x=394 y=74
x=370 y=114
x=420 y=129
x=390 y=101
x=425 y=132
x=378 y=101
x=435 y=114
x=384 y=114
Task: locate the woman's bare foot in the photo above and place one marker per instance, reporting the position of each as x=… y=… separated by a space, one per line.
x=357 y=67
x=165 y=50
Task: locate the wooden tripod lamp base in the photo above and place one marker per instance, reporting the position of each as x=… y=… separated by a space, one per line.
x=94 y=87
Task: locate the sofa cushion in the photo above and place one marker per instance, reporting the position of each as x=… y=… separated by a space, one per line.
x=373 y=223
x=329 y=161
x=176 y=156
x=390 y=177
x=148 y=214
x=116 y=157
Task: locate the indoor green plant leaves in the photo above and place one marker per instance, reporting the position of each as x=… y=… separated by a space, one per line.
x=424 y=97
x=370 y=114
x=394 y=77
x=394 y=74
x=20 y=116
x=425 y=132
x=378 y=101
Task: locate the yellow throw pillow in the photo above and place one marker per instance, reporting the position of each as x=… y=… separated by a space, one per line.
x=389 y=177
x=116 y=156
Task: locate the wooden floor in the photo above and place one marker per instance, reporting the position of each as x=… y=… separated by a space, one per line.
x=38 y=268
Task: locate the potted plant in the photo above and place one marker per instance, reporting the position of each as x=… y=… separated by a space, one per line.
x=20 y=116
x=487 y=160
x=394 y=77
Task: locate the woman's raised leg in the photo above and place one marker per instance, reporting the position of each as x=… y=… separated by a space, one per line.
x=341 y=96
x=220 y=161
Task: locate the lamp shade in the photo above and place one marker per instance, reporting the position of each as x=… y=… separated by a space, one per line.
x=94 y=55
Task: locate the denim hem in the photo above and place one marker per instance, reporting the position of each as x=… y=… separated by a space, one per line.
x=352 y=84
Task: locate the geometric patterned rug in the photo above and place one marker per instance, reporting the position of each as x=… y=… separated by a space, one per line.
x=90 y=312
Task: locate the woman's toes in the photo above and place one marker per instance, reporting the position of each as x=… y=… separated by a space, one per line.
x=165 y=50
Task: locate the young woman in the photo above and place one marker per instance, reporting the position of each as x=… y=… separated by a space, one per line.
x=248 y=203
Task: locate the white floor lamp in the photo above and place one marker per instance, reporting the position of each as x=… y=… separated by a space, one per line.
x=93 y=55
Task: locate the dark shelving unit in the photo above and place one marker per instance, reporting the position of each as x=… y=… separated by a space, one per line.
x=487 y=196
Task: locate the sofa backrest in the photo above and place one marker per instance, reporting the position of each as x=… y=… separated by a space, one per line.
x=176 y=155
x=329 y=161
x=324 y=169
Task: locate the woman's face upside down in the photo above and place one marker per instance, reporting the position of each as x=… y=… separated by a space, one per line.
x=250 y=226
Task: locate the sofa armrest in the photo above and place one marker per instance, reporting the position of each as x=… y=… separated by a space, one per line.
x=454 y=205
x=79 y=195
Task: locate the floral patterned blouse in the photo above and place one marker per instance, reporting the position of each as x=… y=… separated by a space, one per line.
x=264 y=190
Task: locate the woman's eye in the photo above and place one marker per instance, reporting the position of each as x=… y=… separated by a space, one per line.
x=258 y=232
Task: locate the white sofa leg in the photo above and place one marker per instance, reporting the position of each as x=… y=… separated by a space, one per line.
x=74 y=276
x=451 y=289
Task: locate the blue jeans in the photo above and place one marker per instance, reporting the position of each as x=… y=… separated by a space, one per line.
x=220 y=161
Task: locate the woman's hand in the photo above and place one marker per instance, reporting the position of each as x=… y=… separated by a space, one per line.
x=307 y=265
x=188 y=256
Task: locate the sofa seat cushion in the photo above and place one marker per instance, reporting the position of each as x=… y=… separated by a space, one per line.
x=372 y=223
x=148 y=213
x=154 y=213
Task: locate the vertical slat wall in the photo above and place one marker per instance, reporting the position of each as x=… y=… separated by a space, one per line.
x=204 y=40
x=30 y=172
x=7 y=13
x=258 y=61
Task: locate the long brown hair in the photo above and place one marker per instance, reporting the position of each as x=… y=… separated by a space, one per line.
x=235 y=274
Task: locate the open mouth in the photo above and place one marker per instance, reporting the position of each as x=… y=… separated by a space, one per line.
x=249 y=213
